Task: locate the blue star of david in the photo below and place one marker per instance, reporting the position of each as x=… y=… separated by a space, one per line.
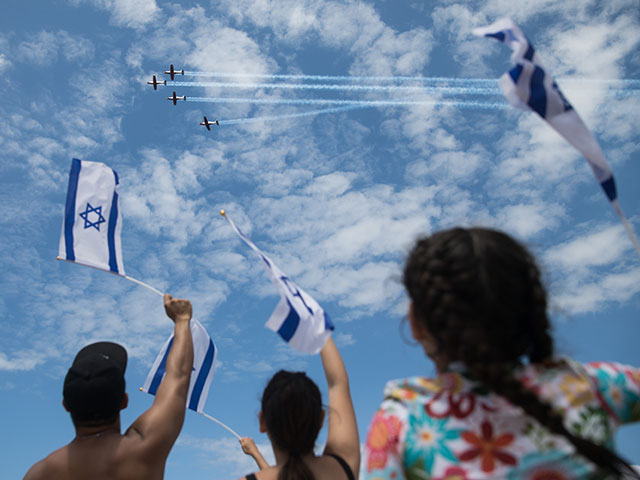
x=85 y=216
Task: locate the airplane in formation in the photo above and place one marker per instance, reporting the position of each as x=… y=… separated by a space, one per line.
x=155 y=82
x=175 y=98
x=208 y=124
x=172 y=72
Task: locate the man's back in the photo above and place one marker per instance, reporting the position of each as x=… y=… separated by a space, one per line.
x=99 y=451
x=108 y=456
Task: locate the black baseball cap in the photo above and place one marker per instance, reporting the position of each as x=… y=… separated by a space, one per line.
x=94 y=385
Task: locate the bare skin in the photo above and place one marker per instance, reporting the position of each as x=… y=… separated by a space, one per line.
x=342 y=435
x=250 y=448
x=103 y=453
x=428 y=342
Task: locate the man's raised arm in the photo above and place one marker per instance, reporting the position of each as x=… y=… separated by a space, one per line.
x=160 y=426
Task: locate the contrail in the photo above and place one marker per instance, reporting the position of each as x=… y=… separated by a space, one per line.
x=342 y=78
x=323 y=86
x=361 y=103
x=311 y=113
x=489 y=82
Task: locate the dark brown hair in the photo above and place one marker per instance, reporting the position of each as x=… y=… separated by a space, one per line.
x=292 y=412
x=478 y=293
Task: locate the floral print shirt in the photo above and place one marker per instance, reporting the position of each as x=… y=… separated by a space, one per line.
x=452 y=428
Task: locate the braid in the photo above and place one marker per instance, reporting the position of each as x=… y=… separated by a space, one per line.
x=478 y=293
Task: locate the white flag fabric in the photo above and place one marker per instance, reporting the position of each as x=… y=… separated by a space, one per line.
x=204 y=358
x=92 y=221
x=297 y=318
x=528 y=86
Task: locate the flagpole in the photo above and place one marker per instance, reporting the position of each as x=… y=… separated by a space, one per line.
x=131 y=279
x=154 y=290
x=634 y=239
x=220 y=423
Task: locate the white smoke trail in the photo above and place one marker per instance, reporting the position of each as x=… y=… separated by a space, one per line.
x=323 y=86
x=488 y=82
x=343 y=78
x=311 y=113
x=361 y=103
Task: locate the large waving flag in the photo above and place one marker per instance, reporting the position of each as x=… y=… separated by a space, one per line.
x=92 y=222
x=204 y=358
x=528 y=86
x=297 y=318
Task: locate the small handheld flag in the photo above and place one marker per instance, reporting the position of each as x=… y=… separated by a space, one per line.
x=92 y=221
x=297 y=318
x=530 y=87
x=204 y=357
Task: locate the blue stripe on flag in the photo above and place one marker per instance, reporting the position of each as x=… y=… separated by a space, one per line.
x=515 y=73
x=328 y=324
x=111 y=234
x=609 y=187
x=70 y=210
x=202 y=377
x=157 y=378
x=290 y=324
x=530 y=52
x=538 y=94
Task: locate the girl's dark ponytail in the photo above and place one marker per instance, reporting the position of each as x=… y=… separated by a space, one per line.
x=292 y=412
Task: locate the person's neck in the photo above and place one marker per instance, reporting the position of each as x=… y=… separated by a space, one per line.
x=85 y=432
x=282 y=455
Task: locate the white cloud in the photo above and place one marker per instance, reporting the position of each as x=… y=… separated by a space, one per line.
x=5 y=64
x=240 y=52
x=355 y=26
x=344 y=339
x=126 y=13
x=226 y=453
x=593 y=269
x=19 y=361
x=46 y=47
x=456 y=166
x=527 y=220
x=453 y=25
x=604 y=246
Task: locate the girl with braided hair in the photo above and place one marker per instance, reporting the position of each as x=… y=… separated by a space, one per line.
x=292 y=416
x=502 y=405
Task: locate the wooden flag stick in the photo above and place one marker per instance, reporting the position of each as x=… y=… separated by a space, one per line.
x=627 y=227
x=131 y=279
x=220 y=423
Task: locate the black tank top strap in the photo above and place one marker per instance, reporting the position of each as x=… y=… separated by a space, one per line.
x=251 y=476
x=343 y=464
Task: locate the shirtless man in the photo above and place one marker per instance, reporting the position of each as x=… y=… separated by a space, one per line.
x=94 y=394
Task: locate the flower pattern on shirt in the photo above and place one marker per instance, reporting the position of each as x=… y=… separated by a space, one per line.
x=428 y=438
x=577 y=390
x=553 y=465
x=488 y=447
x=382 y=439
x=453 y=428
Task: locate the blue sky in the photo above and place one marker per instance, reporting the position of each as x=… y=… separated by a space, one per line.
x=334 y=199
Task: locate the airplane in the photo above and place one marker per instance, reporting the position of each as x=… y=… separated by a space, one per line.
x=208 y=124
x=175 y=99
x=171 y=72
x=155 y=82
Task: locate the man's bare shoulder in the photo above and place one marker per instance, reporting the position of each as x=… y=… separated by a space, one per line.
x=50 y=467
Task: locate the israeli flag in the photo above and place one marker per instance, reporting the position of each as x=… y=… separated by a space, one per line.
x=297 y=318
x=204 y=359
x=528 y=86
x=92 y=222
